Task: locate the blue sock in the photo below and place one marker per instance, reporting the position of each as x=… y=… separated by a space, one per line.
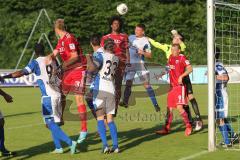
x=2 y=146
x=102 y=132
x=224 y=132
x=58 y=133
x=229 y=128
x=113 y=132
x=56 y=141
x=152 y=95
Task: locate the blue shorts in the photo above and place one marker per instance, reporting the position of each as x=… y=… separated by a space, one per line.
x=221 y=103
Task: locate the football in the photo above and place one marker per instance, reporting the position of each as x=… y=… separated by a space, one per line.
x=122 y=8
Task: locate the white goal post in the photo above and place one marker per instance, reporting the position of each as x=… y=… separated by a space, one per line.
x=211 y=75
x=223 y=32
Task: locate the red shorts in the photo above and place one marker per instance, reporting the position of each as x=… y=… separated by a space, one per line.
x=73 y=81
x=177 y=96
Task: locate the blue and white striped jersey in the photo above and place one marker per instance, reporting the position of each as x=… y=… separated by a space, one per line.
x=43 y=70
x=104 y=80
x=135 y=44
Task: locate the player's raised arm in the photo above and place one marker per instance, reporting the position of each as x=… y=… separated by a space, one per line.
x=16 y=74
x=54 y=53
x=30 y=68
x=163 y=47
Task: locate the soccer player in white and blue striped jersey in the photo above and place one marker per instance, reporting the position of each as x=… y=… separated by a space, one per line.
x=221 y=103
x=103 y=89
x=44 y=67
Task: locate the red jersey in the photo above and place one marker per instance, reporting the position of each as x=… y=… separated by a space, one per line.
x=67 y=44
x=177 y=65
x=121 y=44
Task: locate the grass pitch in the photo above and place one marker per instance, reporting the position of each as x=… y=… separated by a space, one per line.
x=26 y=133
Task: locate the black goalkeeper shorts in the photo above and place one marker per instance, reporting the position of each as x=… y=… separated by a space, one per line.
x=188 y=84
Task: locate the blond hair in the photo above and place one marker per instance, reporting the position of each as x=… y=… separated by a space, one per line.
x=59 y=24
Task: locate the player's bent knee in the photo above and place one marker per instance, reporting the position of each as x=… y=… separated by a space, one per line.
x=109 y=118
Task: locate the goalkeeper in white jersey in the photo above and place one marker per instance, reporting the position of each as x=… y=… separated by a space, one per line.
x=221 y=103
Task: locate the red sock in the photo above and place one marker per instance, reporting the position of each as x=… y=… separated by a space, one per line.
x=82 y=110
x=185 y=119
x=169 y=120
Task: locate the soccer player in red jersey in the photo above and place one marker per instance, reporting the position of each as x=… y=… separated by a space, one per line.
x=179 y=67
x=120 y=50
x=74 y=67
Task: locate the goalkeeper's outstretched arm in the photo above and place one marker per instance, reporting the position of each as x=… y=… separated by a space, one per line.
x=163 y=47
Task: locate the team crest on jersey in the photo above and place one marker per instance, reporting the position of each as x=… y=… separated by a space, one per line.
x=187 y=62
x=72 y=46
x=177 y=61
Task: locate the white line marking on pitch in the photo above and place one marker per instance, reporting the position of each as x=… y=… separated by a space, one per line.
x=194 y=155
x=25 y=126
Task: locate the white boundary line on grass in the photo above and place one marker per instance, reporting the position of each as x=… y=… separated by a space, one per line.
x=194 y=155
x=25 y=126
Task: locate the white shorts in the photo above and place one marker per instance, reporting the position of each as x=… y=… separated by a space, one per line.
x=105 y=101
x=51 y=108
x=137 y=72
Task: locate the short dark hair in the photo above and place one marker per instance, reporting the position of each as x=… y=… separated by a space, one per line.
x=109 y=45
x=116 y=18
x=95 y=40
x=141 y=26
x=39 y=49
x=217 y=53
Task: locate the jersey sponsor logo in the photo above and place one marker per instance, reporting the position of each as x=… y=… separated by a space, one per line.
x=177 y=61
x=72 y=46
x=117 y=41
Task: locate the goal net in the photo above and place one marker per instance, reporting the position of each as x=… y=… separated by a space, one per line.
x=227 y=40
